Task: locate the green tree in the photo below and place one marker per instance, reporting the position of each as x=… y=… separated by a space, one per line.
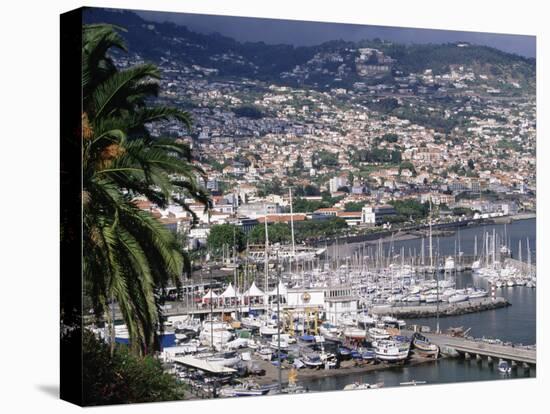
x=278 y=233
x=353 y=206
x=123 y=378
x=225 y=236
x=128 y=254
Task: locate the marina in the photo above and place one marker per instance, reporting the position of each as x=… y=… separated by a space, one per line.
x=366 y=319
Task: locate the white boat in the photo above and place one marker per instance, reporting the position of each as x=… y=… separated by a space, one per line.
x=355 y=333
x=449 y=264
x=226 y=359
x=357 y=386
x=251 y=322
x=377 y=334
x=476 y=293
x=215 y=337
x=243 y=390
x=390 y=350
x=328 y=330
x=274 y=344
x=504 y=367
x=268 y=329
x=265 y=353
x=432 y=298
x=457 y=297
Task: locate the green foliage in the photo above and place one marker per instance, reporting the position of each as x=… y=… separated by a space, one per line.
x=225 y=236
x=411 y=208
x=308 y=190
x=377 y=155
x=123 y=378
x=308 y=229
x=252 y=112
x=301 y=205
x=390 y=138
x=353 y=206
x=385 y=106
x=407 y=165
x=463 y=211
x=278 y=233
x=271 y=187
x=324 y=158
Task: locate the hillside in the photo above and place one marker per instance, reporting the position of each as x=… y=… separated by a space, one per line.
x=331 y=64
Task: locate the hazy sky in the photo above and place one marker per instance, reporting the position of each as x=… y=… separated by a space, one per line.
x=312 y=33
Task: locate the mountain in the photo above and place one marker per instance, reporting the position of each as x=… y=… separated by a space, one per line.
x=335 y=63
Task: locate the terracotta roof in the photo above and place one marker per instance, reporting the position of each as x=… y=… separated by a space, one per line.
x=281 y=218
x=349 y=214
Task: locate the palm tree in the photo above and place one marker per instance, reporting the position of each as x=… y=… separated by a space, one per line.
x=128 y=254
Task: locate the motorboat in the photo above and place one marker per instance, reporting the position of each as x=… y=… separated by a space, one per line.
x=268 y=329
x=265 y=353
x=312 y=360
x=391 y=350
x=243 y=390
x=504 y=367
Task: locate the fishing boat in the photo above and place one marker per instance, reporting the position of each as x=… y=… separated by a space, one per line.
x=391 y=351
x=424 y=346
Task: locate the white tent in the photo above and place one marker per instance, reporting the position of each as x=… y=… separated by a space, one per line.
x=253 y=290
x=282 y=290
x=229 y=292
x=209 y=295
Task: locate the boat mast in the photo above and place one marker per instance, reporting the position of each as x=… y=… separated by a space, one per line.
x=279 y=324
x=235 y=275
x=293 y=255
x=266 y=263
x=431 y=245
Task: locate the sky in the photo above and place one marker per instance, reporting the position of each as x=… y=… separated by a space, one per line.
x=300 y=33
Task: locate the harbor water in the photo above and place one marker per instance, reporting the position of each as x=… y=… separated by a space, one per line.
x=516 y=323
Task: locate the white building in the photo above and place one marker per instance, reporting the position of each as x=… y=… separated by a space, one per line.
x=339 y=301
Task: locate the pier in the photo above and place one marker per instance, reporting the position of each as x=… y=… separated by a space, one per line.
x=467 y=348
